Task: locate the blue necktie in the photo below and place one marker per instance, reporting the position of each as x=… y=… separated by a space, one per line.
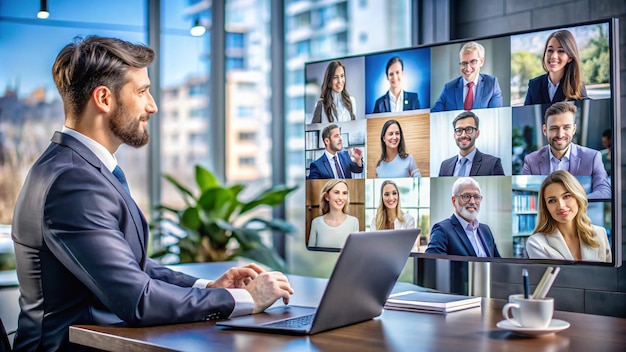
x=119 y=174
x=338 y=167
x=462 y=169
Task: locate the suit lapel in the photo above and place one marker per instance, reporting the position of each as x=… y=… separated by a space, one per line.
x=479 y=91
x=557 y=242
x=458 y=93
x=327 y=167
x=387 y=102
x=460 y=232
x=544 y=161
x=574 y=159
x=479 y=233
x=478 y=159
x=92 y=159
x=588 y=253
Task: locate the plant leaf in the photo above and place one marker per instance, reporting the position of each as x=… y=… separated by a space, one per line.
x=205 y=179
x=186 y=194
x=218 y=202
x=273 y=224
x=271 y=197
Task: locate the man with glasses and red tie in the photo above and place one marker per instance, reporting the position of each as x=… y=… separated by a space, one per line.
x=470 y=161
x=462 y=233
x=472 y=90
x=335 y=162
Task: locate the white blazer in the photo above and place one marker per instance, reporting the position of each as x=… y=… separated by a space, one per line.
x=553 y=246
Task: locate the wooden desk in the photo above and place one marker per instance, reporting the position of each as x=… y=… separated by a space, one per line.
x=470 y=330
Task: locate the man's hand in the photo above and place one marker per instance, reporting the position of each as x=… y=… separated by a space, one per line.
x=267 y=288
x=237 y=277
x=357 y=155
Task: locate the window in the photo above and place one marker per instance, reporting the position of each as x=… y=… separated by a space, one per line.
x=245 y=111
x=246 y=161
x=247 y=136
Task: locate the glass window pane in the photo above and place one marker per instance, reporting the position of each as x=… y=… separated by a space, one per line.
x=30 y=106
x=320 y=31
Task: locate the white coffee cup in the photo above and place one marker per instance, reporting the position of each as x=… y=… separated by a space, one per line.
x=529 y=313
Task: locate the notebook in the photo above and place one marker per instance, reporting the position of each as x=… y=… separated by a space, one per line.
x=433 y=302
x=367 y=268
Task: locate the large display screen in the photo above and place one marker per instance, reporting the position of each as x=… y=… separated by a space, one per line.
x=501 y=148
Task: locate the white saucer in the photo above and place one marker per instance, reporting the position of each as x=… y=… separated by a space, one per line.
x=555 y=326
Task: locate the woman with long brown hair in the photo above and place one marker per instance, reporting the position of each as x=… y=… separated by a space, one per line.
x=335 y=103
x=563 y=78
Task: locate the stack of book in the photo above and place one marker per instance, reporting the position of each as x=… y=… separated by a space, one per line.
x=430 y=302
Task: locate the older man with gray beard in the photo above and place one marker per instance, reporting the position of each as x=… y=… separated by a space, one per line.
x=462 y=234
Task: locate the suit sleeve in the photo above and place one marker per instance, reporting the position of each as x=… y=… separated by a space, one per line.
x=438 y=243
x=497 y=167
x=314 y=172
x=496 y=98
x=87 y=227
x=535 y=249
x=600 y=188
x=439 y=104
x=378 y=104
x=526 y=168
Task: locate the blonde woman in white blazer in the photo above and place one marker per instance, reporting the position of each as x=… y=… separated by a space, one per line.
x=564 y=231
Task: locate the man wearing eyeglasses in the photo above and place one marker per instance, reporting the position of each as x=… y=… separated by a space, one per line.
x=472 y=90
x=462 y=233
x=470 y=161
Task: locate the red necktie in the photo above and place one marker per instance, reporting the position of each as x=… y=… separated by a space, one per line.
x=469 y=99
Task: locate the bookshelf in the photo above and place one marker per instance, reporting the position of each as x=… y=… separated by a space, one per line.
x=525 y=204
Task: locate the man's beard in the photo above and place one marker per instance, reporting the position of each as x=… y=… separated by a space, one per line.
x=127 y=129
x=466 y=213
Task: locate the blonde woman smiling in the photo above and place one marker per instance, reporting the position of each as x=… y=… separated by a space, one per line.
x=331 y=229
x=564 y=231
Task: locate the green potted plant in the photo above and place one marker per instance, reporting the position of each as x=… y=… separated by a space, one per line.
x=215 y=225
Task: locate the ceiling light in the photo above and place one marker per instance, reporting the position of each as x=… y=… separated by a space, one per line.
x=197 y=29
x=43 y=10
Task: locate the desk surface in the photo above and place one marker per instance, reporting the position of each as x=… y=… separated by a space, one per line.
x=470 y=330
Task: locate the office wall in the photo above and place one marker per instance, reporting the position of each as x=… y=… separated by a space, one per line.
x=580 y=289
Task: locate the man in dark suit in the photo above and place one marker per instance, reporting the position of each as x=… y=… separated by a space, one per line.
x=335 y=163
x=470 y=161
x=80 y=238
x=462 y=234
x=396 y=99
x=561 y=154
x=485 y=90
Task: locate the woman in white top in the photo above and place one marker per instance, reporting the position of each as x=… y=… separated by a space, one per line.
x=331 y=229
x=394 y=160
x=564 y=231
x=335 y=103
x=389 y=214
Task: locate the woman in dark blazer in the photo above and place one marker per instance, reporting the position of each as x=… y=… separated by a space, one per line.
x=563 y=80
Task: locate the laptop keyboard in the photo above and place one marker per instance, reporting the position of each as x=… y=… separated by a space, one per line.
x=294 y=323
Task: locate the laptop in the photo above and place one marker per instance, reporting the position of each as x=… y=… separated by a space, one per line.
x=367 y=269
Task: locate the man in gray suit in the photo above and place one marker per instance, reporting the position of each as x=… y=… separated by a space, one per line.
x=470 y=161
x=81 y=240
x=561 y=154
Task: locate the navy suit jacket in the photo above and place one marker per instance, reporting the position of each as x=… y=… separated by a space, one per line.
x=488 y=94
x=321 y=168
x=80 y=246
x=411 y=101
x=583 y=162
x=449 y=237
x=482 y=165
x=538 y=91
